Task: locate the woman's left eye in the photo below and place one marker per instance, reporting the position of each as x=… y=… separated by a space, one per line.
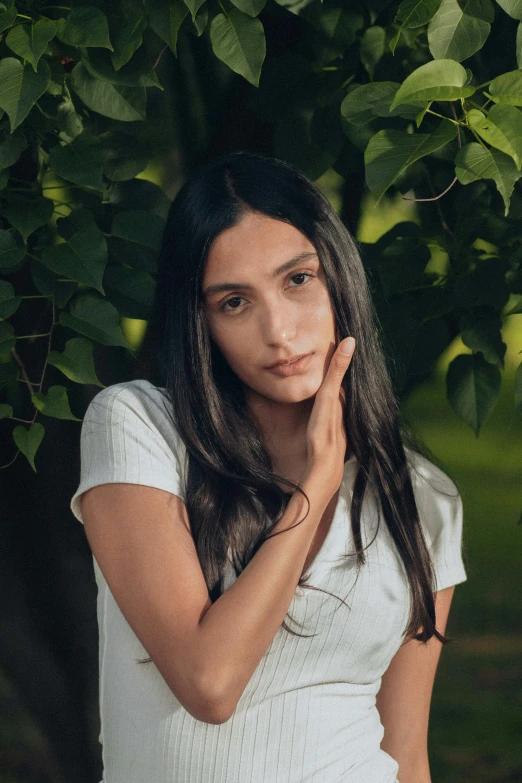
x=301 y=274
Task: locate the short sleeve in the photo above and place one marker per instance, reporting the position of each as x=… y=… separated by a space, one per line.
x=441 y=514
x=127 y=437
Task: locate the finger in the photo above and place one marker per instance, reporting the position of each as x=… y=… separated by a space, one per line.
x=339 y=364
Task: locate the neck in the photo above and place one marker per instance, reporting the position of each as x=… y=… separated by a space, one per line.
x=282 y=426
x=283 y=429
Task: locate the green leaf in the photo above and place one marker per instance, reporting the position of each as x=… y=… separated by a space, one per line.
x=8 y=18
x=486 y=285
x=516 y=309
x=127 y=39
x=9 y=303
x=372 y=47
x=480 y=9
x=20 y=88
x=48 y=283
x=502 y=128
x=7 y=338
x=125 y=155
x=411 y=14
x=58 y=75
x=416 y=13
x=166 y=20
x=364 y=103
x=195 y=5
x=9 y=371
x=454 y=34
x=250 y=7
x=76 y=362
x=512 y=7
x=83 y=256
x=395 y=40
x=518 y=45
x=437 y=80
x=68 y=121
x=80 y=162
x=401 y=271
x=294 y=140
x=137 y=73
x=28 y=214
x=6 y=411
x=10 y=252
x=295 y=6
x=119 y=103
x=474 y=162
x=390 y=152
x=177 y=15
x=85 y=26
x=11 y=147
x=134 y=193
x=337 y=23
x=96 y=319
x=239 y=41
x=481 y=331
x=30 y=41
x=55 y=403
x=29 y=440
x=131 y=291
x=201 y=21
x=473 y=388
x=507 y=88
x=136 y=238
x=518 y=390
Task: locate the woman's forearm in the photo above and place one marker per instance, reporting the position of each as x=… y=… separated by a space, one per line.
x=239 y=627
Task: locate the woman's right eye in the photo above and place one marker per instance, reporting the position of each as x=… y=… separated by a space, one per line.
x=232 y=299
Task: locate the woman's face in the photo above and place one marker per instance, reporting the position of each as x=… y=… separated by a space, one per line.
x=259 y=313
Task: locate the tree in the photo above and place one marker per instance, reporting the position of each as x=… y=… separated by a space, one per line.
x=419 y=98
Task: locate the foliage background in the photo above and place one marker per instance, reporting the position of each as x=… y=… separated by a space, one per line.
x=105 y=108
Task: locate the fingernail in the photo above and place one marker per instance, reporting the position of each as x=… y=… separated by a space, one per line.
x=346 y=346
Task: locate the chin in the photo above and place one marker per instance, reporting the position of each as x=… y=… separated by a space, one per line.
x=292 y=390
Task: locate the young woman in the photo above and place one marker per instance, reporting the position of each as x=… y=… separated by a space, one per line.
x=264 y=472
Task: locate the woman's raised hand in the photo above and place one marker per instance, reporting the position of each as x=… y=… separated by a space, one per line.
x=325 y=434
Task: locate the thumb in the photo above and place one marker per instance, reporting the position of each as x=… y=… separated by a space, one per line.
x=345 y=348
x=341 y=359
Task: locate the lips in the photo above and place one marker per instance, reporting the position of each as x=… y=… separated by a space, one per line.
x=299 y=365
x=285 y=362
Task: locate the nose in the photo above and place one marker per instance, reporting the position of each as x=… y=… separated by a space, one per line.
x=278 y=322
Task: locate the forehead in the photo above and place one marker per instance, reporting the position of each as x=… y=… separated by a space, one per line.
x=254 y=246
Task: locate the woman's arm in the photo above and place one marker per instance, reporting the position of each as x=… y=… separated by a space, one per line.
x=141 y=538
x=206 y=653
x=404 y=699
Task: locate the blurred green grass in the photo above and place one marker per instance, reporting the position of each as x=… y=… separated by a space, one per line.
x=476 y=715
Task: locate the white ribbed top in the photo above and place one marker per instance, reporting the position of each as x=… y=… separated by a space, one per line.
x=308 y=714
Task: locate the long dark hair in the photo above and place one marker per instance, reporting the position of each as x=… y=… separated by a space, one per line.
x=232 y=499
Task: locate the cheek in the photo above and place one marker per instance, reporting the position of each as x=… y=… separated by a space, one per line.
x=318 y=317
x=236 y=350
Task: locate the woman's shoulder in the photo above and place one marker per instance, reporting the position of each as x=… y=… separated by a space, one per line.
x=138 y=388
x=128 y=437
x=137 y=394
x=425 y=474
x=134 y=406
x=441 y=516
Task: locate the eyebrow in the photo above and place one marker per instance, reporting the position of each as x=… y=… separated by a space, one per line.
x=219 y=287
